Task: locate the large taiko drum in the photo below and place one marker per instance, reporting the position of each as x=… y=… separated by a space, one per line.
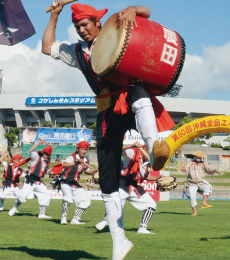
x=151 y=53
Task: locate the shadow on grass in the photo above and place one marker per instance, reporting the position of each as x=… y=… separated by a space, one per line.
x=23 y=214
x=207 y=239
x=53 y=254
x=58 y=221
x=173 y=213
x=105 y=230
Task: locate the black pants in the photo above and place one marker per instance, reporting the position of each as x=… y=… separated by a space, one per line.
x=109 y=146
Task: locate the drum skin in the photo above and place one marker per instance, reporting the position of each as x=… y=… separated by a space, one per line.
x=152 y=53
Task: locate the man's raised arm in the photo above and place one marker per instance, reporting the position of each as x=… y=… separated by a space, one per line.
x=49 y=34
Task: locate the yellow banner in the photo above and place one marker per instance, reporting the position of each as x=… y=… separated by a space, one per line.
x=195 y=128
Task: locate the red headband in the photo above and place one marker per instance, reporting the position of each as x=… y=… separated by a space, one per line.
x=80 y=12
x=83 y=144
x=17 y=156
x=47 y=150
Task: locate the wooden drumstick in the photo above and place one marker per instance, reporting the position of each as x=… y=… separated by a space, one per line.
x=45 y=142
x=79 y=160
x=177 y=168
x=143 y=152
x=64 y=2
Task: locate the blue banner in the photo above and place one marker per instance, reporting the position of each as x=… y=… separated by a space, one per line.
x=55 y=135
x=54 y=101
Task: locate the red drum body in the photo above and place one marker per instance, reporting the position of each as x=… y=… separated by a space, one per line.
x=151 y=53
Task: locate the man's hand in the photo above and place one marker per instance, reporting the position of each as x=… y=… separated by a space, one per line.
x=136 y=145
x=79 y=161
x=129 y=14
x=58 y=7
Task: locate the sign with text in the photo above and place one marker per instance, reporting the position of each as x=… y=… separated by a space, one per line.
x=55 y=135
x=55 y=101
x=133 y=136
x=150 y=186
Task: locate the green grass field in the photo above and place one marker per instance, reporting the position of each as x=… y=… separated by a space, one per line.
x=178 y=235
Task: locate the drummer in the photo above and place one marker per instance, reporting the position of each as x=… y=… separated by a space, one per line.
x=137 y=113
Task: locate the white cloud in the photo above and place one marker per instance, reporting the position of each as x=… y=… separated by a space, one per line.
x=202 y=76
x=29 y=71
x=73 y=36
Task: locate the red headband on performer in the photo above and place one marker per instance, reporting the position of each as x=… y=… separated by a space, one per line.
x=80 y=12
x=17 y=156
x=47 y=150
x=83 y=144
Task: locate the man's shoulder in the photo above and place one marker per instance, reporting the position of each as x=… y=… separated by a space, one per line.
x=5 y=164
x=33 y=153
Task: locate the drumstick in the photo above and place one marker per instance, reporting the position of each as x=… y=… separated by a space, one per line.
x=64 y=2
x=45 y=142
x=79 y=160
x=143 y=152
x=178 y=169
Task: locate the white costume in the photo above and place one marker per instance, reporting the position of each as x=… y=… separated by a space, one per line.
x=73 y=191
x=33 y=183
x=10 y=184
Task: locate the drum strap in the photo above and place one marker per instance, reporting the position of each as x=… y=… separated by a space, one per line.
x=86 y=70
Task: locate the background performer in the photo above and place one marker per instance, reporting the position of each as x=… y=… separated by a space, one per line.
x=39 y=164
x=12 y=177
x=72 y=191
x=135 y=169
x=196 y=171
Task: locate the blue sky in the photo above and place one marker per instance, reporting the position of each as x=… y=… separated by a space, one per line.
x=203 y=24
x=199 y=22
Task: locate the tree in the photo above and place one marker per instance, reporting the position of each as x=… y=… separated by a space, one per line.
x=174 y=91
x=68 y=126
x=47 y=124
x=227 y=140
x=184 y=121
x=216 y=145
x=12 y=136
x=94 y=128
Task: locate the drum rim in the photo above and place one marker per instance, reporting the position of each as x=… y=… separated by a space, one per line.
x=164 y=177
x=120 y=52
x=96 y=175
x=178 y=69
